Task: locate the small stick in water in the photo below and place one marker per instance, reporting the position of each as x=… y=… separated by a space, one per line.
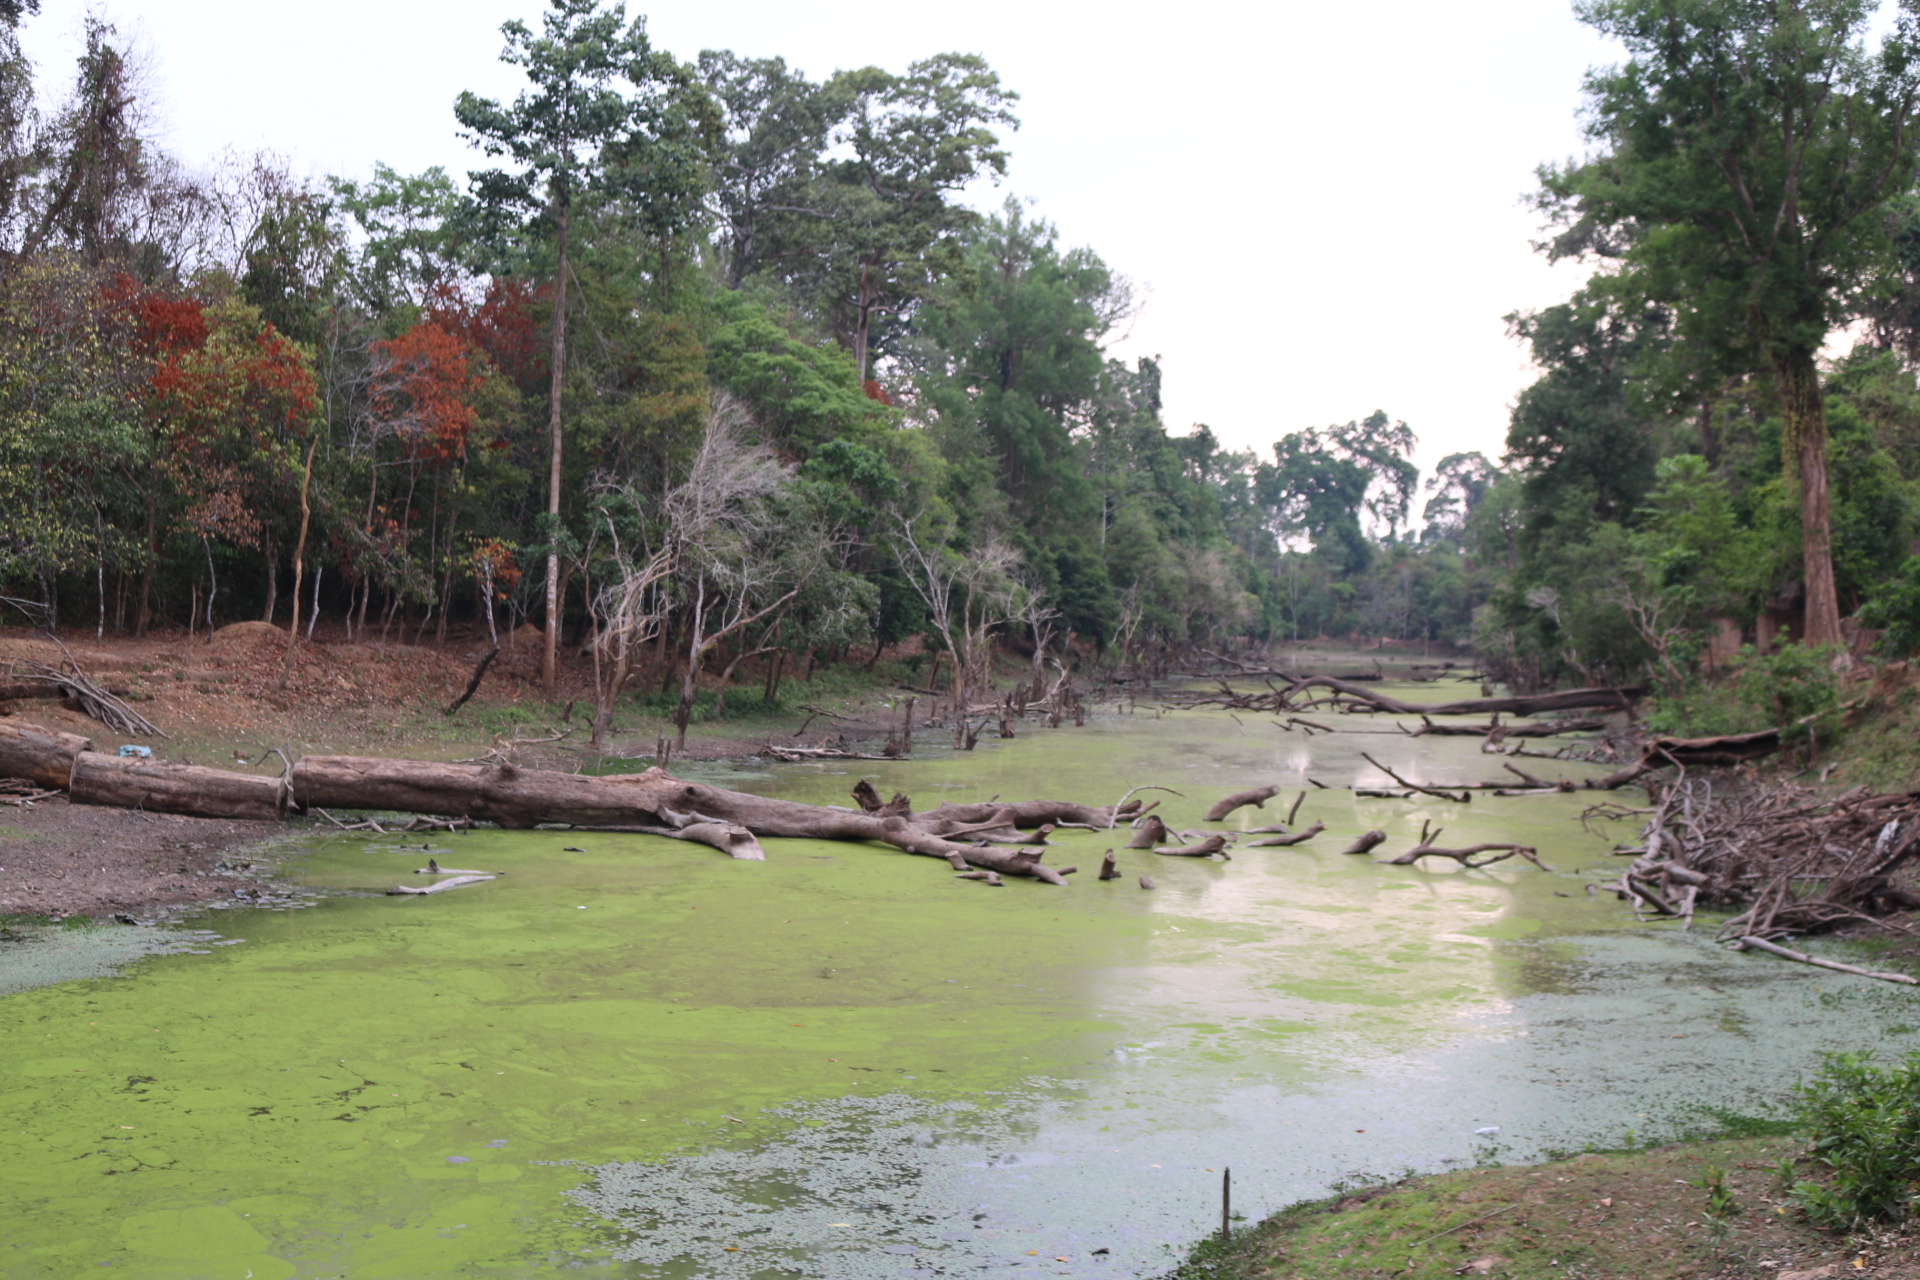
x=1146 y=882
x=1109 y=867
x=1296 y=807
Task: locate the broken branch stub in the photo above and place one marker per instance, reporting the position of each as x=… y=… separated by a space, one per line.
x=1298 y=837
x=1199 y=849
x=1364 y=843
x=1257 y=797
x=1152 y=832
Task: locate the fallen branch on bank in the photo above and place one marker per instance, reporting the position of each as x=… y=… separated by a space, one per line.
x=795 y=755
x=87 y=697
x=652 y=803
x=1787 y=953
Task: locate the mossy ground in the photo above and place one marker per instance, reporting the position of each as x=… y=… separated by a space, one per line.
x=1620 y=1216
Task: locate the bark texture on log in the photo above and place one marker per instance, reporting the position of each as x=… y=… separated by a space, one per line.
x=503 y=794
x=156 y=786
x=44 y=757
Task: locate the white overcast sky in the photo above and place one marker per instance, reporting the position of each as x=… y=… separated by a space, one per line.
x=1321 y=203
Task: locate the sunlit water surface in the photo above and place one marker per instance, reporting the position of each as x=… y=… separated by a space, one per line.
x=632 y=1057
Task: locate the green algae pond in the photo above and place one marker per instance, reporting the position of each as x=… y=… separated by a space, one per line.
x=632 y=1057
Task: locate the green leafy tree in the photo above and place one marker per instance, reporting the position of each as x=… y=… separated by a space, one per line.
x=890 y=225
x=1749 y=156
x=775 y=125
x=1322 y=482
x=557 y=134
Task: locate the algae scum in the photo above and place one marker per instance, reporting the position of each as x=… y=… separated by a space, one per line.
x=633 y=1057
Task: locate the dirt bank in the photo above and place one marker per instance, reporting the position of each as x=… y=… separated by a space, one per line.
x=1632 y=1216
x=59 y=859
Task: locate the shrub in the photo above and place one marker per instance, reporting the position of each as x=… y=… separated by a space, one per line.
x=1758 y=691
x=1864 y=1121
x=1896 y=608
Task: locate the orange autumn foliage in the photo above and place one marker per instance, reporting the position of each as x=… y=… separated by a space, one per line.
x=421 y=389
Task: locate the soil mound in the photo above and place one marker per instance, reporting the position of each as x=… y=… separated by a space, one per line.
x=248 y=633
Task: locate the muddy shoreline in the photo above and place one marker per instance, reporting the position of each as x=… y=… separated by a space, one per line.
x=59 y=860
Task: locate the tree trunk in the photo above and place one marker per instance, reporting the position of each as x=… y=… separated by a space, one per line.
x=154 y=786
x=863 y=320
x=44 y=757
x=1805 y=444
x=550 y=653
x=299 y=553
x=144 y=614
x=273 y=581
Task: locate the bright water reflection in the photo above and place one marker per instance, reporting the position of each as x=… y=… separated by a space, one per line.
x=842 y=1062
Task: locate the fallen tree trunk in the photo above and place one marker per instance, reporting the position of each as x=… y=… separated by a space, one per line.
x=1616 y=698
x=41 y=756
x=158 y=787
x=653 y=803
x=1539 y=729
x=1731 y=748
x=1788 y=953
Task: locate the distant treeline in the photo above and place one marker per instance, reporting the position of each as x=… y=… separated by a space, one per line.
x=717 y=364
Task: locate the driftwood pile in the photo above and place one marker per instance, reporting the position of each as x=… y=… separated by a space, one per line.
x=1790 y=860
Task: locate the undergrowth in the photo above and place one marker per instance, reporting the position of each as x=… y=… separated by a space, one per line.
x=1754 y=691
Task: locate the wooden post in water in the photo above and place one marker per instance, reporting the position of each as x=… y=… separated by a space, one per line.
x=1226 y=1204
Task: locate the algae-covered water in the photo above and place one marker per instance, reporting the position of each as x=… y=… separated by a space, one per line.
x=633 y=1057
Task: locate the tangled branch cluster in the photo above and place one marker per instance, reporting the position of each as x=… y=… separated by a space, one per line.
x=1794 y=861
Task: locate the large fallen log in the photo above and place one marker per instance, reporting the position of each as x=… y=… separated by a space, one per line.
x=654 y=802
x=1615 y=698
x=159 y=787
x=40 y=755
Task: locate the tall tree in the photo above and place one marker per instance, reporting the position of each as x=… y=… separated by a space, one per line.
x=1323 y=481
x=890 y=224
x=1750 y=150
x=556 y=133
x=775 y=128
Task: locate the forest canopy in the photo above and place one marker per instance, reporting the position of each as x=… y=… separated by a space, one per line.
x=718 y=359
